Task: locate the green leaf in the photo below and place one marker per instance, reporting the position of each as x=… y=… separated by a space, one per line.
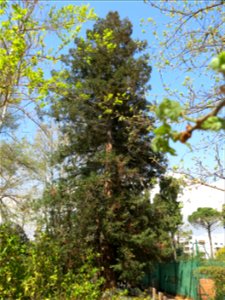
x=108 y=97
x=169 y=109
x=164 y=129
x=215 y=63
x=218 y=63
x=108 y=112
x=161 y=144
x=118 y=102
x=213 y=123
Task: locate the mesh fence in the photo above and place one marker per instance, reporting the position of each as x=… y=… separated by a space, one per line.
x=182 y=278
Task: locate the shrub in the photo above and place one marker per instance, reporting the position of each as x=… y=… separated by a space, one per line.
x=35 y=270
x=13 y=251
x=46 y=277
x=86 y=284
x=217 y=273
x=220 y=254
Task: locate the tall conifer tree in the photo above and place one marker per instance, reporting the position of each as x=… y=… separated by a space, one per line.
x=110 y=165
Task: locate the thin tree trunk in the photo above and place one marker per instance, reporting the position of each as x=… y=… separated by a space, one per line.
x=109 y=276
x=3 y=114
x=108 y=149
x=106 y=251
x=107 y=261
x=210 y=241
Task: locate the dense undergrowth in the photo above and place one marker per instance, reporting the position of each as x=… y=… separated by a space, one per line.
x=34 y=270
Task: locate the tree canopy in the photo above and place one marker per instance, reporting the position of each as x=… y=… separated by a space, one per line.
x=24 y=50
x=207 y=218
x=25 y=55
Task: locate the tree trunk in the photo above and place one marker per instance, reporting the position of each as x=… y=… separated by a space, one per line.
x=4 y=111
x=210 y=241
x=107 y=255
x=108 y=149
x=107 y=261
x=109 y=276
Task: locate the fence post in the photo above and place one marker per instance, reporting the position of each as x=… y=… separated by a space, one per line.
x=153 y=293
x=160 y=296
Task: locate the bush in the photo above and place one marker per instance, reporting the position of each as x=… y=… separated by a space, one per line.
x=35 y=270
x=220 y=254
x=43 y=269
x=217 y=273
x=13 y=252
x=86 y=284
x=46 y=277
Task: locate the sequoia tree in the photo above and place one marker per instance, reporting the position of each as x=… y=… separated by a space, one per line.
x=107 y=133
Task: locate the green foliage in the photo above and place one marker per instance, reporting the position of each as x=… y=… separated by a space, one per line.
x=18 y=170
x=167 y=209
x=169 y=110
x=114 y=294
x=122 y=294
x=24 y=58
x=24 y=51
x=109 y=163
x=218 y=63
x=188 y=59
x=220 y=254
x=213 y=123
x=43 y=269
x=86 y=283
x=223 y=215
x=207 y=218
x=217 y=273
x=13 y=252
x=35 y=270
x=204 y=217
x=161 y=142
x=46 y=277
x=166 y=203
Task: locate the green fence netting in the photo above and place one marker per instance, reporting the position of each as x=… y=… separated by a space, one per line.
x=178 y=278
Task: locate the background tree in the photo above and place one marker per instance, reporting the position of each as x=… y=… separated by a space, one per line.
x=13 y=251
x=109 y=164
x=17 y=169
x=24 y=50
x=167 y=209
x=24 y=55
x=223 y=216
x=207 y=218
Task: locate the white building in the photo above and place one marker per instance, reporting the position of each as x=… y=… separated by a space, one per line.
x=204 y=196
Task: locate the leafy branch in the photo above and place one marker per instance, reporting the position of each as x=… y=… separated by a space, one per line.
x=171 y=112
